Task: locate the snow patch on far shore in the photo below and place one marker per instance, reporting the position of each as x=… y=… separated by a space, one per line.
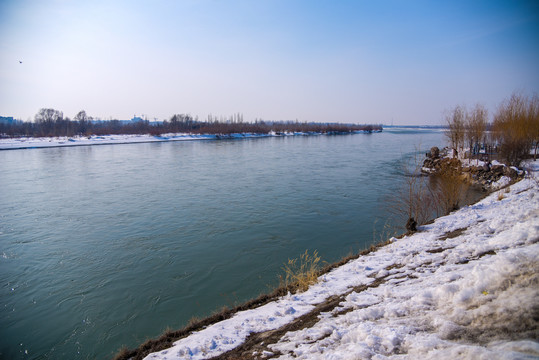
x=31 y=142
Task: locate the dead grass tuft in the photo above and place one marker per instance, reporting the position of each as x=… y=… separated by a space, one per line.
x=302 y=273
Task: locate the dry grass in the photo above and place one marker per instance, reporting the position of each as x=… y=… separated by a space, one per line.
x=413 y=200
x=303 y=272
x=449 y=186
x=501 y=195
x=388 y=231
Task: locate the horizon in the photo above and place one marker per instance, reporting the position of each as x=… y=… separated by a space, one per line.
x=349 y=62
x=134 y=119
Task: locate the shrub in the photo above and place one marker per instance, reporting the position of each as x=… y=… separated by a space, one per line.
x=449 y=186
x=413 y=203
x=300 y=274
x=456 y=123
x=516 y=125
x=476 y=125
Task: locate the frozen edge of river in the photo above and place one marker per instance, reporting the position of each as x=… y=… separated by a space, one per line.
x=421 y=296
x=46 y=142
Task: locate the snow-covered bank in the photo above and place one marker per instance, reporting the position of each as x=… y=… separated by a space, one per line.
x=30 y=142
x=465 y=286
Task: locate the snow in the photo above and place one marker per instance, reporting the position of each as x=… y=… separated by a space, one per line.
x=432 y=295
x=466 y=162
x=31 y=142
x=26 y=143
x=502 y=182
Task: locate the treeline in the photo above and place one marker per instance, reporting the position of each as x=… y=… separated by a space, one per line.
x=513 y=132
x=51 y=122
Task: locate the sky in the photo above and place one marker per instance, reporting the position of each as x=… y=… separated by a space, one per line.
x=400 y=62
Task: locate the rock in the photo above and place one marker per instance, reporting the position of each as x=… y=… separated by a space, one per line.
x=497 y=169
x=411 y=225
x=510 y=172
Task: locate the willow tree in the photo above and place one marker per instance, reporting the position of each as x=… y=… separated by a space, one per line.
x=476 y=125
x=533 y=123
x=456 y=123
x=515 y=124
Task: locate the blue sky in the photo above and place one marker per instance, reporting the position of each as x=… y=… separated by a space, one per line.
x=404 y=62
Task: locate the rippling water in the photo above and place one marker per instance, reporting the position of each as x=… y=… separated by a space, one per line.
x=107 y=246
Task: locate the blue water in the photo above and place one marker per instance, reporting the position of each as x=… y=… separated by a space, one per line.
x=107 y=246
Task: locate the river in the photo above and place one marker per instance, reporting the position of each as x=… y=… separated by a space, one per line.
x=107 y=246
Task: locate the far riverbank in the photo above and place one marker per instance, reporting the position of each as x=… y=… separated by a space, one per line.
x=64 y=141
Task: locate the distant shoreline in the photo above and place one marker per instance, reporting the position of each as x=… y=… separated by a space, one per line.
x=21 y=143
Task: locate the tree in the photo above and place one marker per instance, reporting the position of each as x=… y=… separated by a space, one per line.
x=513 y=124
x=182 y=122
x=46 y=119
x=476 y=124
x=83 y=120
x=455 y=120
x=533 y=123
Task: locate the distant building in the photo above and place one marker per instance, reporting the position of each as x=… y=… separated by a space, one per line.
x=7 y=120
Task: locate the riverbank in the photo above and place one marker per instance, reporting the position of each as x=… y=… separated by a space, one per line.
x=489 y=175
x=464 y=286
x=47 y=142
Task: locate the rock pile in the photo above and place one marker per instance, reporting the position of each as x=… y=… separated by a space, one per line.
x=487 y=174
x=435 y=162
x=483 y=175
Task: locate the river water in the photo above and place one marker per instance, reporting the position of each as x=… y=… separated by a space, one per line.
x=106 y=246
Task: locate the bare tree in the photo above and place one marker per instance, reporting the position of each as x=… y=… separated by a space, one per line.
x=455 y=120
x=513 y=123
x=413 y=203
x=533 y=123
x=83 y=120
x=476 y=124
x=46 y=119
